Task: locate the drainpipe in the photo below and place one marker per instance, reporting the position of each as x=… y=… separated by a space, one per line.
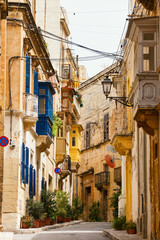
x=10 y=63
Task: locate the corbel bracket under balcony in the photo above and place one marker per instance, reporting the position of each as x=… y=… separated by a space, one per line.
x=122 y=143
x=43 y=143
x=29 y=122
x=75 y=166
x=148 y=120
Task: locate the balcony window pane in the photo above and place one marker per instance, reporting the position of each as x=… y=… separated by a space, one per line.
x=42 y=92
x=148 y=59
x=73 y=141
x=148 y=36
x=42 y=106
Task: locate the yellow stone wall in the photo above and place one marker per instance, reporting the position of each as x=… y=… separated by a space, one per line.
x=95 y=158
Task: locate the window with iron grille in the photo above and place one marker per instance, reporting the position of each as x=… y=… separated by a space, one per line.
x=88 y=133
x=106 y=127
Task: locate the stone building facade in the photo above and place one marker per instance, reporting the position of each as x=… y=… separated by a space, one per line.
x=96 y=179
x=139 y=82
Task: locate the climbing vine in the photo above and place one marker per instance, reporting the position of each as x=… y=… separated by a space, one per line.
x=57 y=122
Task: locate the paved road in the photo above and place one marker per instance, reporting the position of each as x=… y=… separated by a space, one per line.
x=83 y=231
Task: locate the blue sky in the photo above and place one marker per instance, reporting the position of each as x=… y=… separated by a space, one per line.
x=98 y=25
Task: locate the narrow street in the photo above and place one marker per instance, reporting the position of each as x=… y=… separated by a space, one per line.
x=84 y=231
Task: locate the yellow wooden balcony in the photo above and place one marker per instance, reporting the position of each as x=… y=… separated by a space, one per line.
x=60 y=149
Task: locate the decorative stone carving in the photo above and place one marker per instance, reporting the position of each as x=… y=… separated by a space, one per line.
x=146 y=98
x=146 y=91
x=122 y=143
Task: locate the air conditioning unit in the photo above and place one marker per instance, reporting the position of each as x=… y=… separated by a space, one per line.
x=12 y=143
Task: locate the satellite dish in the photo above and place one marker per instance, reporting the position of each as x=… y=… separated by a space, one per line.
x=110 y=161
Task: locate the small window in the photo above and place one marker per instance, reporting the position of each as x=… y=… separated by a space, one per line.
x=42 y=92
x=88 y=134
x=73 y=141
x=74 y=131
x=148 y=58
x=148 y=36
x=65 y=94
x=42 y=106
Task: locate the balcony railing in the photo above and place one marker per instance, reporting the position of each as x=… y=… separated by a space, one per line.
x=117 y=175
x=67 y=72
x=102 y=178
x=31 y=105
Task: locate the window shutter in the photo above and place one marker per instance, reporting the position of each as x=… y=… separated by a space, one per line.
x=88 y=133
x=106 y=127
x=43 y=183
x=28 y=61
x=30 y=182
x=27 y=164
x=34 y=189
x=23 y=160
x=36 y=92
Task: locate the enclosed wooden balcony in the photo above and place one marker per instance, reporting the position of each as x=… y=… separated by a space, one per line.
x=117 y=176
x=66 y=167
x=102 y=179
x=30 y=110
x=146 y=95
x=149 y=4
x=67 y=72
x=60 y=149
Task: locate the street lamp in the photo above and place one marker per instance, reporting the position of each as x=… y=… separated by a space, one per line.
x=107 y=84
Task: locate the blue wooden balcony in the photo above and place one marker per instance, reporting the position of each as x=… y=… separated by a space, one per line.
x=44 y=126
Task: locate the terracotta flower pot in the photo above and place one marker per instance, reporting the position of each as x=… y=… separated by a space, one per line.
x=41 y=223
x=132 y=231
x=36 y=223
x=60 y=219
x=24 y=225
x=47 y=221
x=53 y=222
x=68 y=219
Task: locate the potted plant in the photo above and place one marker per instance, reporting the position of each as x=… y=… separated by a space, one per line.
x=94 y=211
x=61 y=205
x=27 y=221
x=131 y=227
x=49 y=203
x=43 y=217
x=36 y=210
x=77 y=208
x=68 y=213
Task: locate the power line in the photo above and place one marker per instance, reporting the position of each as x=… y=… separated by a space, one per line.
x=57 y=38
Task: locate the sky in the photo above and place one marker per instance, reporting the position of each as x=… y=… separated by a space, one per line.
x=98 y=25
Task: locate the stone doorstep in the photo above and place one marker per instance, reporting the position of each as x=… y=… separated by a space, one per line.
x=37 y=230
x=120 y=235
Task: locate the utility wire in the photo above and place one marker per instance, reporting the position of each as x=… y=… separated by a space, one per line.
x=57 y=38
